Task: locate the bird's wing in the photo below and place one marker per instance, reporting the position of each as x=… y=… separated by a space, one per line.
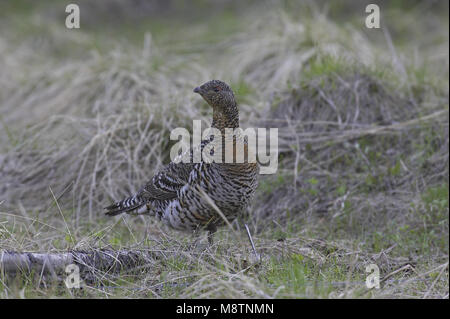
x=166 y=183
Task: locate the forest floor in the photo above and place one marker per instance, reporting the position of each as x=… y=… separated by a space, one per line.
x=362 y=116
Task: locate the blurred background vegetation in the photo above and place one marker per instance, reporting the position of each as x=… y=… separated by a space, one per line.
x=85 y=116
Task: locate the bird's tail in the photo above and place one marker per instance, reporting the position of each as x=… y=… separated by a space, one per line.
x=132 y=204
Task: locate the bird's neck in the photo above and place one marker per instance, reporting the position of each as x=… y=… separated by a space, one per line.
x=225 y=119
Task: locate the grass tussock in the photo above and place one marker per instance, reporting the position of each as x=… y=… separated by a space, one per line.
x=363 y=137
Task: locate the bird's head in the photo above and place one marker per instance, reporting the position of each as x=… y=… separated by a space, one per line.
x=217 y=94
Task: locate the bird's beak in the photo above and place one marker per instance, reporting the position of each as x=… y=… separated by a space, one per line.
x=198 y=90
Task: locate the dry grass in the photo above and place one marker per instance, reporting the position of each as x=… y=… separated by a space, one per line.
x=363 y=174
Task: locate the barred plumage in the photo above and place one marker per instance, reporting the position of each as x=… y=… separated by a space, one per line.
x=176 y=194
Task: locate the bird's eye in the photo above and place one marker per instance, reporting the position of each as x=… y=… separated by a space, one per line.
x=217 y=89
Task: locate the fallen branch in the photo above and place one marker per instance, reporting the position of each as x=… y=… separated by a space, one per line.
x=89 y=262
